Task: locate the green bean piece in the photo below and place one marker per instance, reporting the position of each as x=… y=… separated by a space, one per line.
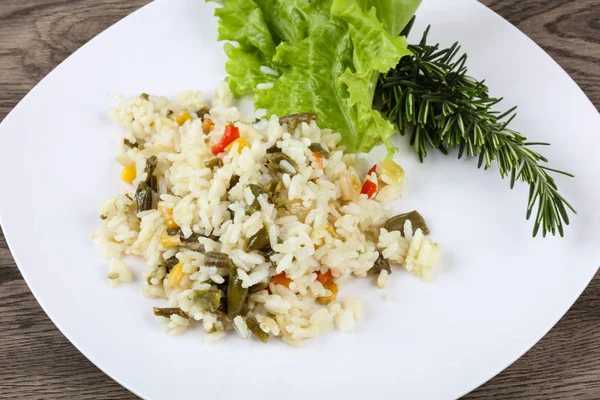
x=293 y=124
x=318 y=148
x=143 y=197
x=217 y=259
x=236 y=295
x=145 y=96
x=273 y=188
x=254 y=327
x=380 y=264
x=259 y=286
x=170 y=263
x=151 y=163
x=113 y=275
x=255 y=206
x=173 y=231
x=207 y=300
x=192 y=242
x=274 y=163
x=268 y=252
x=223 y=288
x=255 y=189
x=167 y=312
x=153 y=183
x=202 y=112
x=252 y=208
x=307 y=117
x=273 y=149
x=233 y=181
x=215 y=162
x=397 y=223
x=131 y=144
x=259 y=240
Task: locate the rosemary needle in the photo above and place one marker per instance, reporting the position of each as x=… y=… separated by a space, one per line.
x=430 y=96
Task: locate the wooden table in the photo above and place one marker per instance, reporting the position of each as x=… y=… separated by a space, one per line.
x=37 y=361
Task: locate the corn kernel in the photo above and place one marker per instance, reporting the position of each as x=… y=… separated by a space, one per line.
x=175 y=276
x=332 y=232
x=207 y=126
x=168 y=241
x=182 y=118
x=333 y=288
x=128 y=174
x=167 y=214
x=241 y=142
x=392 y=171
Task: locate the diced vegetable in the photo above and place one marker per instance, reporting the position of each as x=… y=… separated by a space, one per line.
x=170 y=263
x=233 y=181
x=392 y=171
x=281 y=279
x=230 y=134
x=318 y=148
x=373 y=169
x=143 y=197
x=277 y=162
x=215 y=162
x=131 y=144
x=207 y=300
x=259 y=240
x=175 y=276
x=268 y=252
x=182 y=118
x=333 y=288
x=167 y=214
x=192 y=242
x=259 y=286
x=273 y=149
x=128 y=174
x=380 y=264
x=167 y=312
x=397 y=223
x=318 y=158
x=332 y=232
x=254 y=327
x=202 y=112
x=217 y=259
x=369 y=188
x=168 y=241
x=307 y=117
x=275 y=191
x=145 y=96
x=207 y=126
x=173 y=231
x=236 y=295
x=241 y=142
x=324 y=278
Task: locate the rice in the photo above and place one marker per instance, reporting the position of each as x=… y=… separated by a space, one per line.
x=320 y=231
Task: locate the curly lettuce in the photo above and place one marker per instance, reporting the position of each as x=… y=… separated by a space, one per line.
x=320 y=56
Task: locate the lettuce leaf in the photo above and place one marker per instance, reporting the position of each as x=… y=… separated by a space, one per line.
x=393 y=14
x=327 y=54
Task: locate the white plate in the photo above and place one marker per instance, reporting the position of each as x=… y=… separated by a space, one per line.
x=499 y=290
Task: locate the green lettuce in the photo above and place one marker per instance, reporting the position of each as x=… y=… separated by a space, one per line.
x=327 y=55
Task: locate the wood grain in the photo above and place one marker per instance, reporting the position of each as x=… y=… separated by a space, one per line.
x=37 y=361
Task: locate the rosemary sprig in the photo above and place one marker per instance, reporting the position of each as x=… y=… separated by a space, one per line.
x=430 y=96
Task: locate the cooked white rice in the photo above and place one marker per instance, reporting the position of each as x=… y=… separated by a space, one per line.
x=327 y=226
